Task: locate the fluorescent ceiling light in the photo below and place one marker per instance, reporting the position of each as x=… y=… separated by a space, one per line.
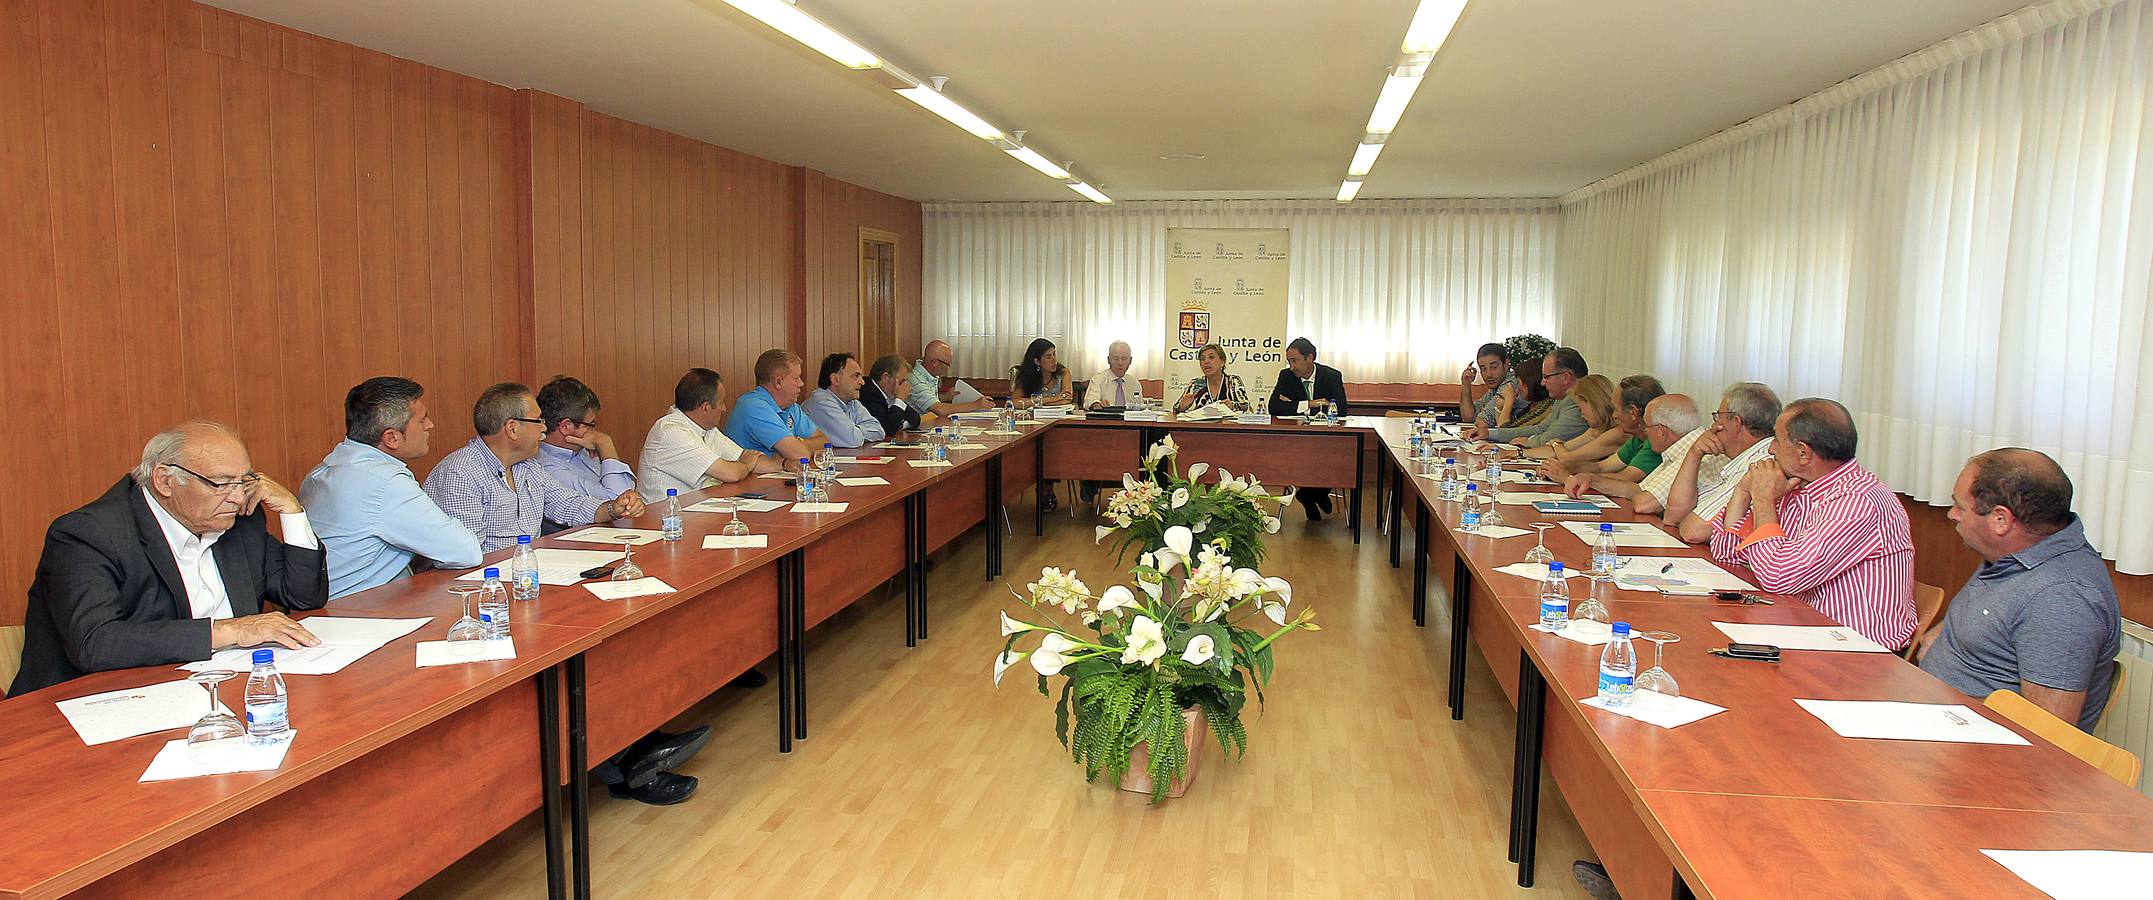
x=804 y=28
x=1364 y=159
x=1390 y=105
x=948 y=109
x=1090 y=192
x=1432 y=24
x=1030 y=157
x=1348 y=189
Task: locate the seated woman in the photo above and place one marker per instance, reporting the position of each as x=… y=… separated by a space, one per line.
x=1040 y=379
x=1214 y=384
x=1502 y=393
x=1595 y=397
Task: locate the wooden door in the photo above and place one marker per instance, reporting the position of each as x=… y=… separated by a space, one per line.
x=878 y=293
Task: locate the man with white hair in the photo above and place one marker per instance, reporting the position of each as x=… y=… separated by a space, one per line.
x=172 y=563
x=1117 y=384
x=1665 y=421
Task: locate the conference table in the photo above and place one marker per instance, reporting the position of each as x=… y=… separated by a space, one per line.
x=1763 y=800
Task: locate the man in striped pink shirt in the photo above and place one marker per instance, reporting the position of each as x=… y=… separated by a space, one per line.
x=1812 y=522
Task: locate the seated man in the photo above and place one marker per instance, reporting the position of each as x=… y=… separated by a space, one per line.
x=835 y=405
x=2039 y=616
x=685 y=451
x=884 y=396
x=367 y=506
x=1611 y=451
x=1668 y=418
x=130 y=580
x=932 y=390
x=497 y=487
x=1503 y=395
x=1810 y=521
x=576 y=453
x=1302 y=380
x=1114 y=385
x=765 y=423
x=1560 y=371
x=1690 y=496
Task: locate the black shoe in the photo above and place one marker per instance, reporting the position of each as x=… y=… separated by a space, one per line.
x=1314 y=514
x=653 y=755
x=1047 y=503
x=1593 y=878
x=751 y=679
x=666 y=790
x=1324 y=500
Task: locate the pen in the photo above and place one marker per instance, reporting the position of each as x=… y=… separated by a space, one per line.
x=1667 y=568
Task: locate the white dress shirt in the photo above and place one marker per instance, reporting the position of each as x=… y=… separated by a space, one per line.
x=678 y=455
x=1099 y=391
x=206 y=595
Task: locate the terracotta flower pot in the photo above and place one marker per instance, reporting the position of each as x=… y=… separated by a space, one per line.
x=1194 y=736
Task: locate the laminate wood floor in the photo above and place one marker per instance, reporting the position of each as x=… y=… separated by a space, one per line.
x=922 y=779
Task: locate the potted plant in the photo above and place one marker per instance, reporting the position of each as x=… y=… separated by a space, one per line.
x=1147 y=671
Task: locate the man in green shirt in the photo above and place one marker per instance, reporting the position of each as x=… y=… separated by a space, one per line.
x=1663 y=421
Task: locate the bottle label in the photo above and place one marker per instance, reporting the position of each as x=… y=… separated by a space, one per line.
x=1615 y=683
x=1554 y=608
x=269 y=717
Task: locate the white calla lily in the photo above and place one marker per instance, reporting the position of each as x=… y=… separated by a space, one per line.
x=1200 y=650
x=1225 y=476
x=1004 y=661
x=1048 y=663
x=1147 y=642
x=1055 y=642
x=1198 y=469
x=1011 y=626
x=1151 y=588
x=1116 y=597
x=1270 y=525
x=1128 y=481
x=1181 y=498
x=1179 y=539
x=1279 y=588
x=1276 y=612
x=1099 y=533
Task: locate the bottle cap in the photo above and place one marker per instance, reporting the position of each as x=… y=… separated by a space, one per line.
x=1622 y=629
x=1554 y=567
x=672 y=492
x=264 y=657
x=825 y=445
x=1607 y=526
x=803 y=460
x=493 y=572
x=523 y=539
x=1472 y=488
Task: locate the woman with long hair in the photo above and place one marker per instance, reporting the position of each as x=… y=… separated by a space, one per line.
x=1041 y=378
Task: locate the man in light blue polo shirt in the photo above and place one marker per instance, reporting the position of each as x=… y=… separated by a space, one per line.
x=769 y=418
x=835 y=405
x=367 y=507
x=926 y=393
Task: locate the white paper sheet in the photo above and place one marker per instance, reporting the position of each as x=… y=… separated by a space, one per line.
x=1525 y=570
x=555 y=567
x=929 y=463
x=1801 y=637
x=868 y=481
x=1527 y=498
x=436 y=653
x=1526 y=478
x=112 y=715
x=1681 y=575
x=1496 y=532
x=1010 y=433
x=819 y=508
x=1627 y=534
x=781 y=476
x=344 y=640
x=1659 y=709
x=868 y=461
x=616 y=536
x=2078 y=874
x=735 y=541
x=1893 y=721
x=1591 y=634
x=175 y=761
x=622 y=590
x=746 y=506
x=967 y=446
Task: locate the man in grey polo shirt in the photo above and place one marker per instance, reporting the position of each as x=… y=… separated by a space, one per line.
x=2040 y=616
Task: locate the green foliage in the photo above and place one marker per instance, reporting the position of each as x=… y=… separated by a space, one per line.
x=1527 y=348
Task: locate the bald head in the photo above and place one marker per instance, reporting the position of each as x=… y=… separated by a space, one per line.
x=1824 y=425
x=2027 y=482
x=1668 y=418
x=936 y=357
x=182 y=467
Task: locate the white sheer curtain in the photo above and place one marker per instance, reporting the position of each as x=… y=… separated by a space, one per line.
x=1957 y=246
x=1390 y=291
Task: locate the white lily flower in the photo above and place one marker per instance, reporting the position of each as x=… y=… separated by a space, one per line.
x=1198 y=469
x=1004 y=661
x=1200 y=650
x=1151 y=588
x=1099 y=533
x=1147 y=642
x=1181 y=498
x=1116 y=597
x=1169 y=560
x=1046 y=662
x=1090 y=619
x=1179 y=539
x=1147 y=560
x=1278 y=587
x=1270 y=524
x=1011 y=626
x=1056 y=642
x=1128 y=481
x=1200 y=525
x=1276 y=612
x=1224 y=476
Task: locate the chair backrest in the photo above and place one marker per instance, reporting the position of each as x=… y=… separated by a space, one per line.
x=1929 y=603
x=2115 y=687
x=2115 y=761
x=10 y=655
x=1399 y=414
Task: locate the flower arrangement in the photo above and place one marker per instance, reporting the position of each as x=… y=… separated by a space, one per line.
x=1526 y=349
x=1184 y=639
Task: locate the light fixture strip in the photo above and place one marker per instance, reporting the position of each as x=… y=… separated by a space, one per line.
x=1090 y=192
x=1433 y=21
x=789 y=20
x=1348 y=189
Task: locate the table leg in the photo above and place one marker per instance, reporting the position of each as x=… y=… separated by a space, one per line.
x=1532 y=724
x=1461 y=613
x=579 y=782
x=799 y=645
x=549 y=784
x=994 y=529
x=1420 y=565
x=1394 y=504
x=1039 y=477
x=1383 y=497
x=1360 y=461
x=784 y=653
x=919 y=552
x=1682 y=888
x=912 y=571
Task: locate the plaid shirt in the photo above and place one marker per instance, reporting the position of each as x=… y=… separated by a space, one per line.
x=471 y=485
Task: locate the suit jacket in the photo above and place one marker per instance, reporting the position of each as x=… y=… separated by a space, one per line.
x=1287 y=397
x=895 y=416
x=107 y=594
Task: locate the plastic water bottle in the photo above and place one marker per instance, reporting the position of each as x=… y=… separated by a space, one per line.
x=493 y=605
x=1605 y=558
x=1008 y=421
x=1555 y=598
x=1470 y=519
x=672 y=514
x=805 y=487
x=1450 y=480
x=523 y=569
x=1419 y=448
x=1618 y=668
x=268 y=715
x=1495 y=469
x=824 y=459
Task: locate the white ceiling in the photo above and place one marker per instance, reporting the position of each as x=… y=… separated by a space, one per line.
x=1531 y=98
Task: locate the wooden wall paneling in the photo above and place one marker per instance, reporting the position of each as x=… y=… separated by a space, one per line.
x=142 y=183
x=454 y=330
x=302 y=413
x=381 y=315
x=250 y=228
x=337 y=178
x=37 y=479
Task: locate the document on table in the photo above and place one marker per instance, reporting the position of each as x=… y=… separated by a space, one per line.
x=781 y=476
x=1677 y=575
x=1495 y=531
x=631 y=536
x=1526 y=498
x=437 y=653
x=633 y=587
x=819 y=508
x=1526 y=570
x=868 y=460
x=715 y=505
x=868 y=481
x=557 y=567
x=1893 y=721
x=930 y=463
x=1583 y=631
x=735 y=541
x=1659 y=709
x=2078 y=874
x=344 y=640
x=1627 y=534
x=112 y=715
x=174 y=761
x=1801 y=637
x=1000 y=433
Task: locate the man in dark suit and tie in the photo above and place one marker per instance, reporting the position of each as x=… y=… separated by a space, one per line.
x=171 y=564
x=1303 y=379
x=884 y=396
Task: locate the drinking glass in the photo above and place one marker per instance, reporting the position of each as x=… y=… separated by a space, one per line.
x=216 y=734
x=627 y=570
x=1540 y=553
x=468 y=633
x=734 y=528
x=1593 y=608
x=1656 y=678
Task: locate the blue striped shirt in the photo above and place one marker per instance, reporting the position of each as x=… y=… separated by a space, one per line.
x=472 y=485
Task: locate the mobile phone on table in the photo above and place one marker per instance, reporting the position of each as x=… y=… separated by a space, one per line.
x=751 y=495
x=1764 y=652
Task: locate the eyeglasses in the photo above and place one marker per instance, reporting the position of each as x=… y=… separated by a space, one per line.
x=222 y=487
x=1723 y=414
x=522 y=419
x=593 y=423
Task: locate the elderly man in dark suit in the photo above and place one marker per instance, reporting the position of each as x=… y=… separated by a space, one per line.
x=172 y=563
x=1303 y=379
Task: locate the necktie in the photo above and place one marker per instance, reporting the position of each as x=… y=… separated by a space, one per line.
x=1120 y=398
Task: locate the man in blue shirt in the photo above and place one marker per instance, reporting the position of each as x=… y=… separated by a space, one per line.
x=930 y=389
x=835 y=405
x=2040 y=616
x=576 y=453
x=769 y=419
x=365 y=504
